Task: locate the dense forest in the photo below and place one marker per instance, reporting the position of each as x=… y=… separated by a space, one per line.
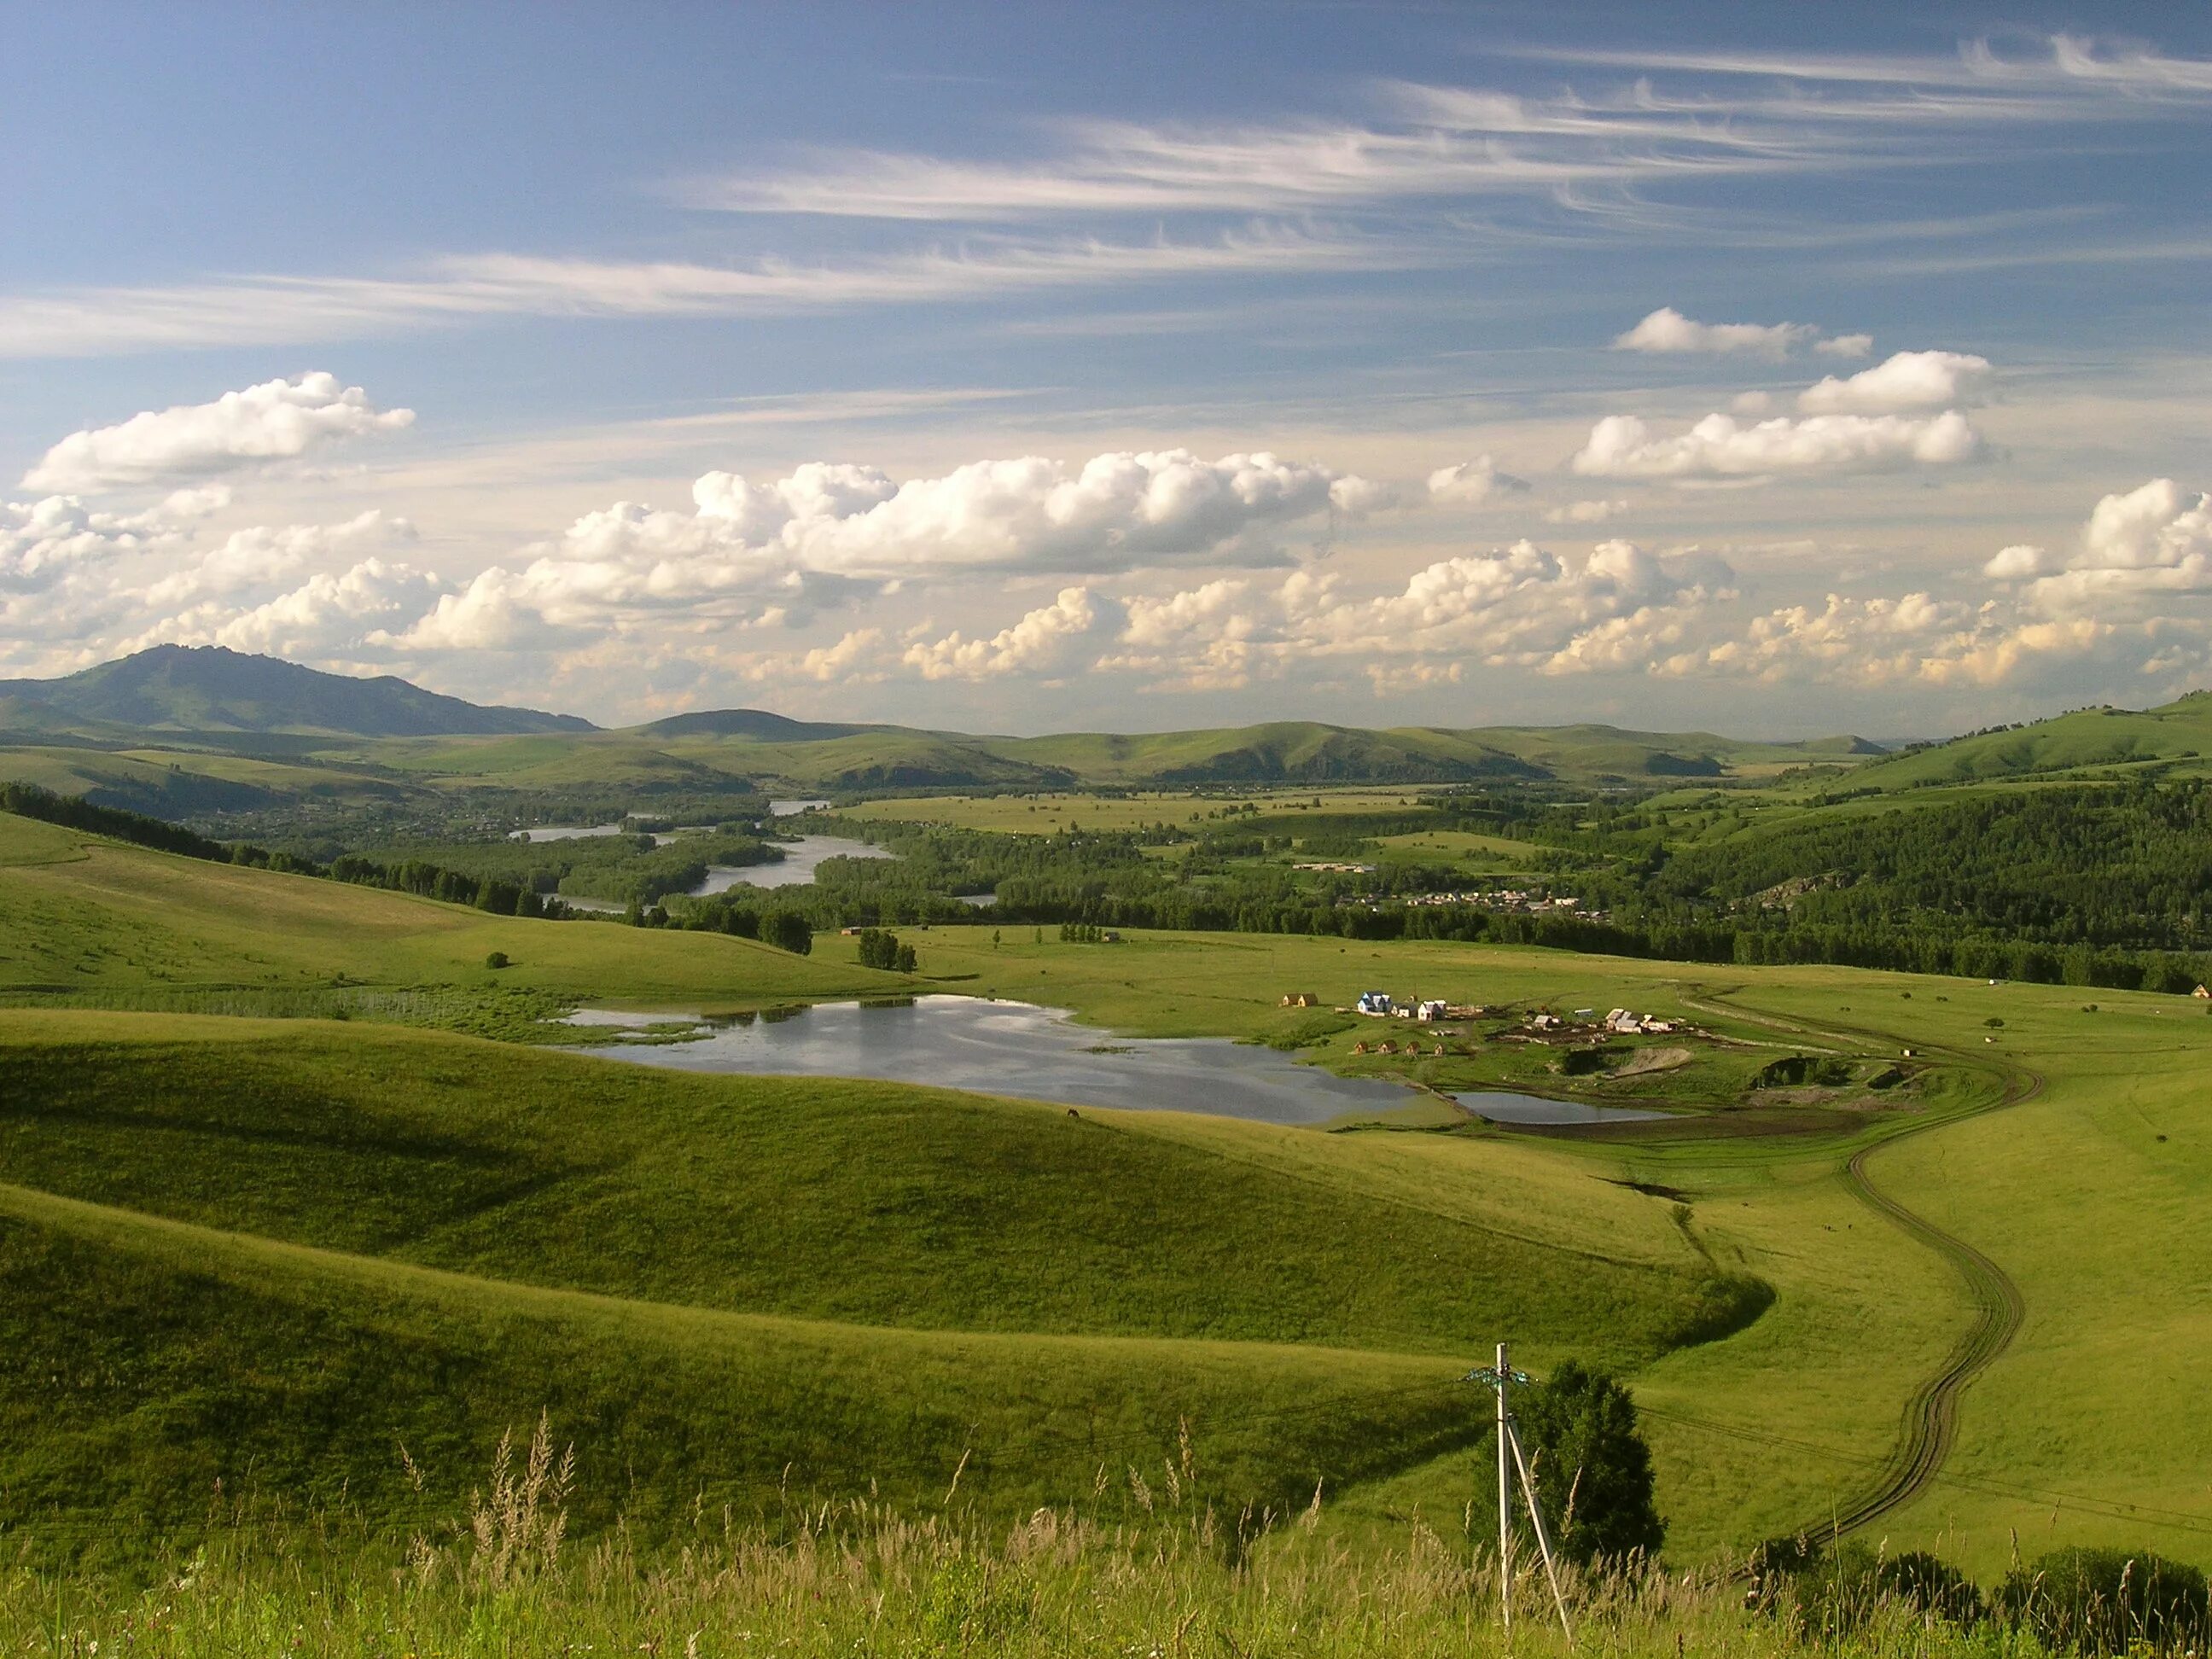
x=2103 y=886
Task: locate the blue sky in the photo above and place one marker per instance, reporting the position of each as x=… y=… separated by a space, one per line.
x=1769 y=369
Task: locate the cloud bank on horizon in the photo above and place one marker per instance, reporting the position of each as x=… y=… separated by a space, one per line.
x=1599 y=383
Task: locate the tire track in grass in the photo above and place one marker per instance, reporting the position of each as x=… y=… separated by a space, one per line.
x=1930 y=1416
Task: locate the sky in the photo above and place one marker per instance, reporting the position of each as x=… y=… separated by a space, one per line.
x=1771 y=370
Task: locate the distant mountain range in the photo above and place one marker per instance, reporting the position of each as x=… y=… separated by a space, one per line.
x=208 y=689
x=176 y=698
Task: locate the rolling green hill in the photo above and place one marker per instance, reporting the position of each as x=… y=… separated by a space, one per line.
x=291 y=1247
x=85 y=914
x=1299 y=752
x=186 y=701
x=2089 y=739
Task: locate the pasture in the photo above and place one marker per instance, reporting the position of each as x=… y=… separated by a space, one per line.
x=886 y=1277
x=1051 y=813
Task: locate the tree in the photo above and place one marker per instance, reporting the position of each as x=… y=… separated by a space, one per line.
x=1591 y=1468
x=882 y=949
x=788 y=930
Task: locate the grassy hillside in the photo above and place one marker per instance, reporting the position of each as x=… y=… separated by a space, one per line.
x=89 y=916
x=2093 y=739
x=1301 y=751
x=355 y=1184
x=148 y=1365
x=766 y=1195
x=287 y=1246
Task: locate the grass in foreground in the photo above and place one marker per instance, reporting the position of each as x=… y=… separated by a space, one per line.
x=1174 y=1576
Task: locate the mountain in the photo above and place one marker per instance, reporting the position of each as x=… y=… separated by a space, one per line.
x=798 y=755
x=174 y=688
x=755 y=723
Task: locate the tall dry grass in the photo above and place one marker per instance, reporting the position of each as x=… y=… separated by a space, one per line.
x=1176 y=1580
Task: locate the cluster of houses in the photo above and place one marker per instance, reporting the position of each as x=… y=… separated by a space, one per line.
x=1618 y=1022
x=1511 y=901
x=1380 y=1005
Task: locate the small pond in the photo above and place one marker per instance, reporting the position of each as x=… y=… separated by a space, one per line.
x=787 y=809
x=1499 y=1107
x=1016 y=1049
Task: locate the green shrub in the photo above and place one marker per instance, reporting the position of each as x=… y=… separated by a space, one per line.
x=2107 y=1600
x=1834 y=1595
x=497 y=959
x=1591 y=1468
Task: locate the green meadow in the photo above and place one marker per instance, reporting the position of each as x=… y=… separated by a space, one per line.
x=90 y=916
x=271 y=1254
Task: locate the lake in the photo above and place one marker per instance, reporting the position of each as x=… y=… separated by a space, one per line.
x=568 y=832
x=786 y=809
x=797 y=869
x=1535 y=1110
x=1017 y=1048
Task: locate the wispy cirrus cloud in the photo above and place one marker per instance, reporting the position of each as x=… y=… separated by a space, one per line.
x=2072 y=64
x=1465 y=142
x=278 y=309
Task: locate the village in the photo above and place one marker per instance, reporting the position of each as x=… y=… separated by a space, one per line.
x=1504 y=901
x=1541 y=1027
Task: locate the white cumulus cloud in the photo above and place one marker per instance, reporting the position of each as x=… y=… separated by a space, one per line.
x=1720 y=446
x=2153 y=539
x=332 y=614
x=2015 y=563
x=1050 y=643
x=277 y=420
x=1667 y=332
x=42 y=540
x=1909 y=383
x=264 y=554
x=1586 y=512
x=1468 y=483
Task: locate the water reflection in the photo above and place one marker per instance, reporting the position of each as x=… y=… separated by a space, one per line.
x=796 y=868
x=1535 y=1110
x=1016 y=1049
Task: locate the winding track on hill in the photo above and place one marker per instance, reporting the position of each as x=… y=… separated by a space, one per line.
x=1930 y=1418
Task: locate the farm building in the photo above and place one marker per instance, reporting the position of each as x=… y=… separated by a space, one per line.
x=1376 y=1003
x=1301 y=1000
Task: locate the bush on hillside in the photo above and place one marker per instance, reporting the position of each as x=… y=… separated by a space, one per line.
x=1591 y=1469
x=2107 y=1600
x=1833 y=1596
x=788 y=931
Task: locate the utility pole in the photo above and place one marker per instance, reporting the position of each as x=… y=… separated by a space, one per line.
x=1504 y=1375
x=1510 y=1459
